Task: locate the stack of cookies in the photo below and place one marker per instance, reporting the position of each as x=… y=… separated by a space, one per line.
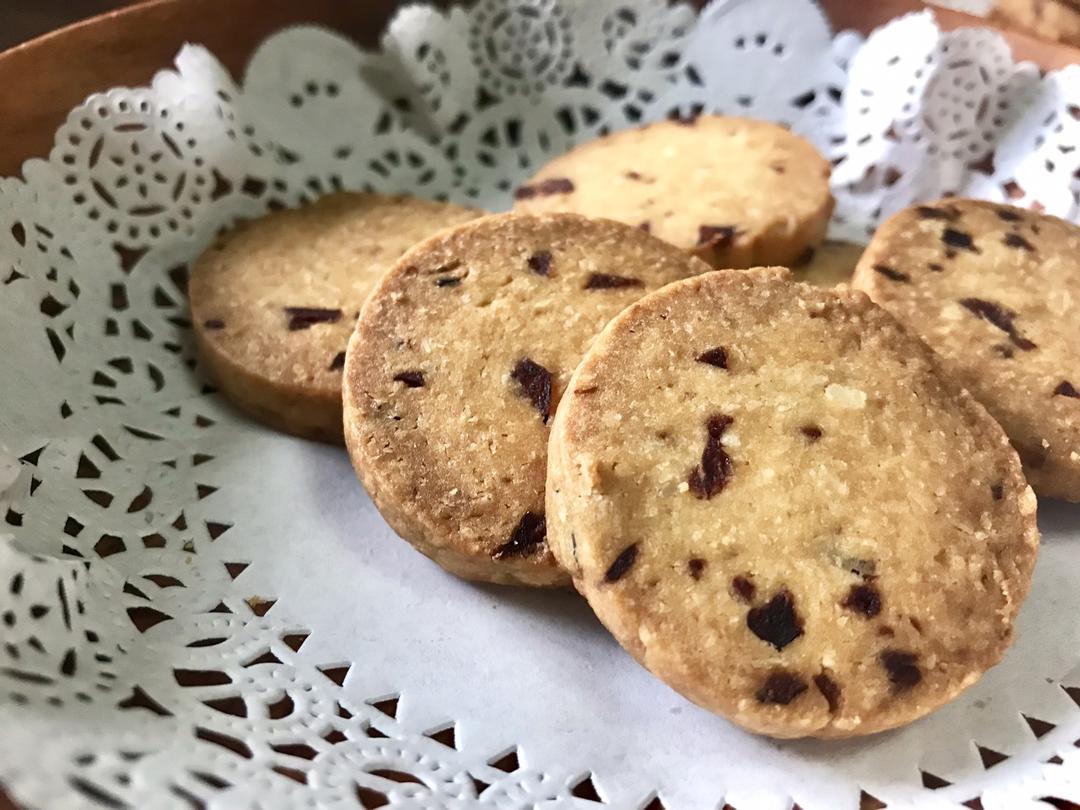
x=798 y=506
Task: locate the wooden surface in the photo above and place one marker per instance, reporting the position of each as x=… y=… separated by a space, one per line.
x=21 y=21
x=127 y=46
x=44 y=78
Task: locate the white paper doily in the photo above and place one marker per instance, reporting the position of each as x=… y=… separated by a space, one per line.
x=196 y=612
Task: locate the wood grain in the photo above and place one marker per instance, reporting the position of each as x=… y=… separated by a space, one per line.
x=24 y=21
x=127 y=46
x=44 y=78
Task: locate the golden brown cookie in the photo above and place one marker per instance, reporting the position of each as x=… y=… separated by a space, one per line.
x=274 y=301
x=1057 y=20
x=457 y=364
x=776 y=501
x=733 y=191
x=995 y=290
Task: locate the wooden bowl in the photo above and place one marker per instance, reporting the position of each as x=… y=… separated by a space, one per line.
x=126 y=47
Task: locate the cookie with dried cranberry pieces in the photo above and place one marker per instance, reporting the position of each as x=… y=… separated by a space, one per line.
x=274 y=300
x=733 y=191
x=456 y=367
x=1057 y=20
x=995 y=290
x=778 y=503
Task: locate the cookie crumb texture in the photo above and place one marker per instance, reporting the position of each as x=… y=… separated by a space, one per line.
x=450 y=388
x=995 y=290
x=733 y=191
x=274 y=300
x=804 y=564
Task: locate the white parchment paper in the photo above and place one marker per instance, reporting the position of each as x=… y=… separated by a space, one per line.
x=196 y=612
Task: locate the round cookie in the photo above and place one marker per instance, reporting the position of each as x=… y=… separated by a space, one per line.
x=274 y=300
x=733 y=191
x=1057 y=20
x=776 y=502
x=995 y=290
x=458 y=361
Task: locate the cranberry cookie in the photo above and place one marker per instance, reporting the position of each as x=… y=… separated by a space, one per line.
x=775 y=500
x=995 y=290
x=733 y=191
x=458 y=361
x=274 y=301
x=1057 y=20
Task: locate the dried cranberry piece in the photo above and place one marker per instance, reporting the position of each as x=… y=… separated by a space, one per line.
x=716 y=236
x=743 y=588
x=830 y=689
x=306 y=317
x=1032 y=457
x=529 y=534
x=902 y=668
x=714 y=357
x=1066 y=389
x=891 y=274
x=412 y=379
x=781 y=687
x=607 y=281
x=622 y=564
x=1000 y=316
x=535 y=382
x=776 y=621
x=545 y=188
x=540 y=262
x=864 y=599
x=959 y=239
x=949 y=213
x=1015 y=240
x=715 y=470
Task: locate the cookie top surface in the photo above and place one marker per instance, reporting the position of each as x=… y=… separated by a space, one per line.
x=732 y=190
x=275 y=299
x=774 y=500
x=458 y=361
x=995 y=290
x=1051 y=19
